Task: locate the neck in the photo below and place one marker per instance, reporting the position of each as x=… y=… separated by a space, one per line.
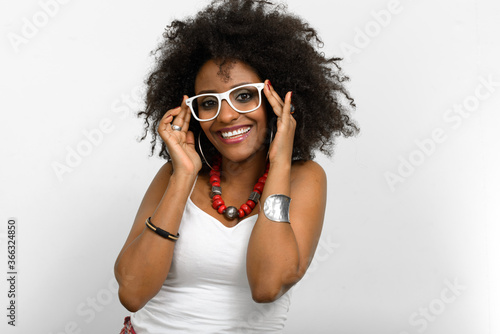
x=244 y=173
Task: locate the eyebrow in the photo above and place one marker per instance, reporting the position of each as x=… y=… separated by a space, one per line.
x=214 y=91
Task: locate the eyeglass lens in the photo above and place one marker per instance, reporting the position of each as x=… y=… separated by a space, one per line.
x=243 y=99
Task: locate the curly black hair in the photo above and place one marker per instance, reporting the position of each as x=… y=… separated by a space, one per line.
x=278 y=45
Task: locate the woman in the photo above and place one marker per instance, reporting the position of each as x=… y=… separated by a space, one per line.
x=231 y=222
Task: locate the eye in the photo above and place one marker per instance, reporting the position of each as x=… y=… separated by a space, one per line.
x=208 y=103
x=243 y=96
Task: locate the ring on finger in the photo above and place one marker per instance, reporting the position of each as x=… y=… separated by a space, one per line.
x=176 y=127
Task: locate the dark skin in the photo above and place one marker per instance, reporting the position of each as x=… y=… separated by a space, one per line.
x=278 y=253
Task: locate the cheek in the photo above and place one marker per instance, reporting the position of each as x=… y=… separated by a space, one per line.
x=265 y=118
x=264 y=130
x=206 y=129
x=205 y=126
x=262 y=116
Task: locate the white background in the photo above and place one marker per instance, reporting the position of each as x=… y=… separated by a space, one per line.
x=386 y=252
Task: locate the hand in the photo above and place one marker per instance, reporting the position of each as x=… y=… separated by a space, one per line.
x=180 y=144
x=281 y=148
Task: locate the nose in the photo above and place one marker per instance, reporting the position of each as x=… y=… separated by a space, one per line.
x=227 y=114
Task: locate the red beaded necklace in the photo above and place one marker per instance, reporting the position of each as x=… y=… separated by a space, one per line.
x=231 y=212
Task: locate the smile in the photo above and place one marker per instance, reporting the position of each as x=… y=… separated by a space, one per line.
x=235 y=133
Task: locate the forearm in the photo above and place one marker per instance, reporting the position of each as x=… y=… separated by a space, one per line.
x=145 y=263
x=273 y=255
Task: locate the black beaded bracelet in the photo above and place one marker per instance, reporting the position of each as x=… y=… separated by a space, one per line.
x=161 y=232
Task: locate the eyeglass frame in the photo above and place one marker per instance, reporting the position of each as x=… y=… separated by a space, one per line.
x=225 y=96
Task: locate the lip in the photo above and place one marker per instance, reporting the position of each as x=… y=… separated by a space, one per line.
x=234 y=128
x=237 y=139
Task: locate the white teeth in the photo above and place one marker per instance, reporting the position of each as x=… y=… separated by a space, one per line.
x=234 y=133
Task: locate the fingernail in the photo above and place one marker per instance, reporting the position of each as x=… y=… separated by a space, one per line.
x=270 y=82
x=268 y=87
x=291 y=95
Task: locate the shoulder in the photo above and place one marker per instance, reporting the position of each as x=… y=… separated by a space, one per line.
x=165 y=171
x=167 y=168
x=308 y=182
x=160 y=181
x=307 y=171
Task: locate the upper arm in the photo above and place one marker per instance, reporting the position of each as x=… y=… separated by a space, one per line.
x=307 y=208
x=149 y=203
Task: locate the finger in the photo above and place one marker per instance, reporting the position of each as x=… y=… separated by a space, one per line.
x=190 y=138
x=174 y=112
x=187 y=114
x=288 y=104
x=165 y=122
x=275 y=94
x=184 y=116
x=288 y=110
x=180 y=118
x=275 y=101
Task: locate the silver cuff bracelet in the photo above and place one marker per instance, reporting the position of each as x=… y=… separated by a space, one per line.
x=277 y=208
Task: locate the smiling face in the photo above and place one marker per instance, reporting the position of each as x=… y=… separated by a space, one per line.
x=236 y=136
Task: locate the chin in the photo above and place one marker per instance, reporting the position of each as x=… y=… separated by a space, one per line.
x=238 y=156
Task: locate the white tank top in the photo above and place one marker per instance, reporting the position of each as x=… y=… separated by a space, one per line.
x=206 y=290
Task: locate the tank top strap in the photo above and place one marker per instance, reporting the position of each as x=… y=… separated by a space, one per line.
x=194 y=184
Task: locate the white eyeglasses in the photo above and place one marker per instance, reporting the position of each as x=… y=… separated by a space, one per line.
x=243 y=99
